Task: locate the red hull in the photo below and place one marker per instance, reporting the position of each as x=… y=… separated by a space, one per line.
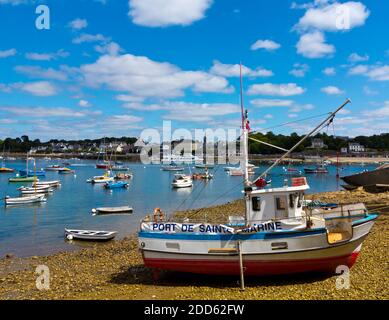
x=252 y=267
x=103 y=166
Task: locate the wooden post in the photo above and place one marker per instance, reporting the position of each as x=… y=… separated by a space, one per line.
x=242 y=288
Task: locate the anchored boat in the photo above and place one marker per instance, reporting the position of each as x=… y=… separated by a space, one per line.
x=113 y=210
x=277 y=234
x=182 y=181
x=25 y=200
x=89 y=235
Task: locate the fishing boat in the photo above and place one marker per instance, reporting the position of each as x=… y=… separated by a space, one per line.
x=113 y=210
x=89 y=235
x=104 y=165
x=102 y=179
x=66 y=171
x=369 y=178
x=25 y=200
x=182 y=181
x=116 y=185
x=279 y=234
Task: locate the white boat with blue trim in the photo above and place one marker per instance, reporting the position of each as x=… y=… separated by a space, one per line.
x=277 y=235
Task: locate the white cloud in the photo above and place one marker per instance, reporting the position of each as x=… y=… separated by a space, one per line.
x=47 y=56
x=354 y=57
x=42 y=112
x=7 y=53
x=329 y=71
x=312 y=45
x=361 y=69
x=162 y=13
x=369 y=92
x=263 y=103
x=378 y=113
x=128 y=98
x=39 y=72
x=78 y=24
x=301 y=107
x=111 y=48
x=270 y=89
x=332 y=90
x=86 y=37
x=299 y=70
x=13 y=2
x=266 y=45
x=233 y=70
x=379 y=73
x=39 y=88
x=143 y=77
x=84 y=104
x=375 y=73
x=334 y=17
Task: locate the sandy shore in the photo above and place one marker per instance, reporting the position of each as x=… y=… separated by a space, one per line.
x=115 y=270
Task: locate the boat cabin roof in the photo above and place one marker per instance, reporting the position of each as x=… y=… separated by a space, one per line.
x=285 y=189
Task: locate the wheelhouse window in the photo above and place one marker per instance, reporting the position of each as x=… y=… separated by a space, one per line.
x=281 y=203
x=256 y=203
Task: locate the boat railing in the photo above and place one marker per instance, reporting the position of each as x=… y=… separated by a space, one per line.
x=238 y=221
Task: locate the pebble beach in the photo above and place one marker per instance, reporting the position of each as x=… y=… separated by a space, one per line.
x=115 y=270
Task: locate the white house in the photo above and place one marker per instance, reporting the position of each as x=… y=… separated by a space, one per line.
x=318 y=144
x=356 y=147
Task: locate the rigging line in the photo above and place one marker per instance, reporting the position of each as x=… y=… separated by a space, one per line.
x=219 y=197
x=290 y=122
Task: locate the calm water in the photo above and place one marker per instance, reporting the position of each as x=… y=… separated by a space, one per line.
x=37 y=229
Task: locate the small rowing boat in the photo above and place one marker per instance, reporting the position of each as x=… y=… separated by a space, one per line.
x=89 y=235
x=23 y=179
x=25 y=200
x=120 y=168
x=204 y=166
x=116 y=185
x=36 y=191
x=51 y=184
x=172 y=168
x=113 y=210
x=6 y=170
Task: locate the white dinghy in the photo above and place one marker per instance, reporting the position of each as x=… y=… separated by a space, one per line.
x=182 y=181
x=25 y=200
x=54 y=183
x=113 y=210
x=89 y=235
x=36 y=191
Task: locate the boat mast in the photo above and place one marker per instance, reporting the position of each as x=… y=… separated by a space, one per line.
x=244 y=137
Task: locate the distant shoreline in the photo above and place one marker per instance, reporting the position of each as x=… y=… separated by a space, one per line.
x=135 y=157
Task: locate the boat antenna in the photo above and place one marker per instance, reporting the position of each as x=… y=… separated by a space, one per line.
x=329 y=118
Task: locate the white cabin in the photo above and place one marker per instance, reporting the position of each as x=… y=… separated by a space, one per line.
x=276 y=203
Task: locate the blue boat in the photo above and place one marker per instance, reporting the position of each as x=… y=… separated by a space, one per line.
x=116 y=185
x=32 y=173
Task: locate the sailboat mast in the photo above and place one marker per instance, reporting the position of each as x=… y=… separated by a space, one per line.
x=244 y=138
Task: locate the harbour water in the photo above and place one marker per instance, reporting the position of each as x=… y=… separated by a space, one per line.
x=38 y=229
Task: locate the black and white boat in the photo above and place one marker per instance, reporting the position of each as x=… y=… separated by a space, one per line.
x=113 y=210
x=89 y=235
x=369 y=178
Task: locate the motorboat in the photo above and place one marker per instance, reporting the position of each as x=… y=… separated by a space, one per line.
x=54 y=167
x=172 y=168
x=123 y=176
x=36 y=191
x=182 y=181
x=51 y=184
x=317 y=170
x=19 y=179
x=116 y=185
x=89 y=235
x=66 y=171
x=25 y=200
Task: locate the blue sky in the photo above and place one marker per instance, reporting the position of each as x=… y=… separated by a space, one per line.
x=115 y=67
